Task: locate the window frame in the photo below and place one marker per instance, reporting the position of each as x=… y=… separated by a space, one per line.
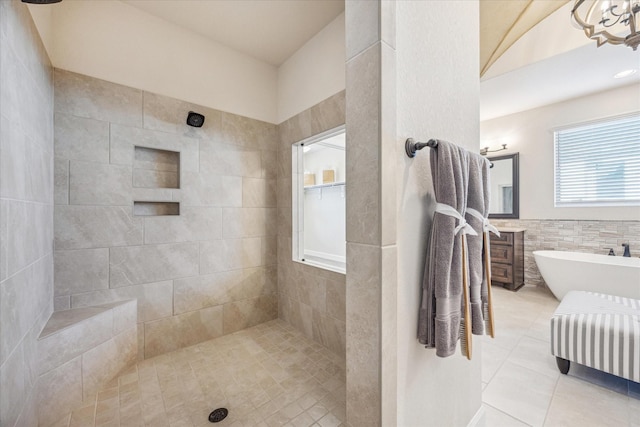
x=297 y=193
x=556 y=186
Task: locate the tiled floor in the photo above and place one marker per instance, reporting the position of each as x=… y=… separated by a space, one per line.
x=522 y=385
x=268 y=375
x=271 y=375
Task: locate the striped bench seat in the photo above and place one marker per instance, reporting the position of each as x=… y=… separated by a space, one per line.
x=597 y=330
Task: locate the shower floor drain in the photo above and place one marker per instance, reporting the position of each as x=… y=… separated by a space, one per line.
x=218 y=415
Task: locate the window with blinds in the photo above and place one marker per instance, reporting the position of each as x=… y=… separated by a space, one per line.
x=598 y=164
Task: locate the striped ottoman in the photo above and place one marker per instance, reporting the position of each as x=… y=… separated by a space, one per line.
x=597 y=330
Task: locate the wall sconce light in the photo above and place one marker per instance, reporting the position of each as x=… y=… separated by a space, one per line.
x=484 y=151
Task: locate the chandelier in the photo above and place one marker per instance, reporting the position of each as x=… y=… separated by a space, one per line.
x=609 y=21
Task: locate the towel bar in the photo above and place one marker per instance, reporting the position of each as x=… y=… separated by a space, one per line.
x=410 y=146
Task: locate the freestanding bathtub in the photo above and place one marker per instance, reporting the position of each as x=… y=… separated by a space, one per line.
x=575 y=271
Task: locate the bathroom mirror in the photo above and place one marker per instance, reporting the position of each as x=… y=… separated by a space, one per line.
x=505 y=187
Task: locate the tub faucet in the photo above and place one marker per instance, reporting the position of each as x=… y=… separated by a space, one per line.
x=611 y=252
x=627 y=253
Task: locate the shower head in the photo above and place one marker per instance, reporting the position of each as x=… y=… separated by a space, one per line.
x=194 y=119
x=41 y=1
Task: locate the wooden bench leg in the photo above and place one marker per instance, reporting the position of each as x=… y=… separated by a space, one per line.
x=563 y=365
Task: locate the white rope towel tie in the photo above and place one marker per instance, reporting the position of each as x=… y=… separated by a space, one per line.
x=463 y=227
x=486 y=225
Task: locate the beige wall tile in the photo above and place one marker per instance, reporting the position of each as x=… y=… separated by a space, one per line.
x=170 y=115
x=246 y=132
x=294 y=129
x=155 y=179
x=27 y=232
x=225 y=159
x=61 y=182
x=99 y=184
x=62 y=303
x=204 y=189
x=59 y=391
x=84 y=96
x=220 y=288
x=328 y=114
x=23 y=298
x=104 y=362
x=258 y=193
x=124 y=139
x=79 y=138
x=154 y=300
x=26 y=221
x=329 y=332
x=14 y=386
x=193 y=224
x=363 y=333
x=66 y=344
x=249 y=312
x=336 y=299
x=230 y=254
x=248 y=222
x=269 y=164
x=125 y=315
x=81 y=270
x=363 y=147
x=80 y=227
x=183 y=330
x=135 y=265
x=363 y=21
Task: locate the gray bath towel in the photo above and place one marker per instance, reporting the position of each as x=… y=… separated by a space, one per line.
x=440 y=314
x=477 y=205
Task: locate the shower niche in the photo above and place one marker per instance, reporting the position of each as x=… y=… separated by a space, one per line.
x=155 y=168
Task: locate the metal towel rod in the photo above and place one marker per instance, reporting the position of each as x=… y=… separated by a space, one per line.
x=411 y=147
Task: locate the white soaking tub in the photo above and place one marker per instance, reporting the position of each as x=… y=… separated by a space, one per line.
x=574 y=271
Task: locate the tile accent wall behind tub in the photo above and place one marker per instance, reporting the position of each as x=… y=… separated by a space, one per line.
x=574 y=236
x=207 y=272
x=311 y=299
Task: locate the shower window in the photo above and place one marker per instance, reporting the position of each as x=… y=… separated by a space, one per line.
x=319 y=220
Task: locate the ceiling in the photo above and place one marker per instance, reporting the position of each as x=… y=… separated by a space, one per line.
x=267 y=30
x=553 y=62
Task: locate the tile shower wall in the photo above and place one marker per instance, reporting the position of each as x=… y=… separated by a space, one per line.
x=26 y=210
x=204 y=273
x=309 y=298
x=576 y=236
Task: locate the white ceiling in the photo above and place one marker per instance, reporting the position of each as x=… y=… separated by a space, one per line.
x=554 y=62
x=270 y=31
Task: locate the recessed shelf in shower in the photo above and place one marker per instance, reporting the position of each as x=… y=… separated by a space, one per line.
x=156 y=208
x=155 y=168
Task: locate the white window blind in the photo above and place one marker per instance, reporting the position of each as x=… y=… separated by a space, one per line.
x=598 y=164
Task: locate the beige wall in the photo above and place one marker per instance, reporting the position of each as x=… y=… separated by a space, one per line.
x=438 y=92
x=117 y=42
x=209 y=271
x=311 y=299
x=26 y=210
x=146 y=52
x=314 y=72
x=531 y=134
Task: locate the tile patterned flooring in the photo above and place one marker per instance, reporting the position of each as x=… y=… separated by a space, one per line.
x=522 y=385
x=271 y=375
x=268 y=375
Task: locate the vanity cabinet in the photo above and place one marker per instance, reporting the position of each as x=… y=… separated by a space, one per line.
x=507 y=259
